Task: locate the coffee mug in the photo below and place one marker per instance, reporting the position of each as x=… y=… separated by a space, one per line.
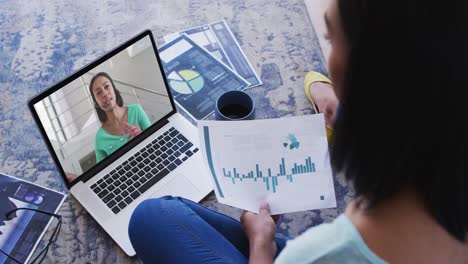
x=235 y=105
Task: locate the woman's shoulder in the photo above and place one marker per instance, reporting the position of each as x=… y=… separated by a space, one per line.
x=327 y=237
x=100 y=132
x=332 y=242
x=134 y=110
x=134 y=107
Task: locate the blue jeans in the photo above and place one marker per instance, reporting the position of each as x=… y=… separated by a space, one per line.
x=176 y=230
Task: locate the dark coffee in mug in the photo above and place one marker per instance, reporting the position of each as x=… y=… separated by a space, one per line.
x=234 y=105
x=235 y=111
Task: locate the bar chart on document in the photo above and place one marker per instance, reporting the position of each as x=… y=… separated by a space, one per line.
x=282 y=161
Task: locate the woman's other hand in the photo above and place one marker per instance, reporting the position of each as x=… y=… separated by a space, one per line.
x=260 y=229
x=70 y=176
x=133 y=130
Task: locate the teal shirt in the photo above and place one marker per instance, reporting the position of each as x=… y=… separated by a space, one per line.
x=106 y=143
x=336 y=242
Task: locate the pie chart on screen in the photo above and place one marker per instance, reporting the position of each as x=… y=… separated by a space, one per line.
x=186 y=81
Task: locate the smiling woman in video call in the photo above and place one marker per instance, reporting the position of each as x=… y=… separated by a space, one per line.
x=119 y=123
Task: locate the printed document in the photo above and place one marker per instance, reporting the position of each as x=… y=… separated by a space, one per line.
x=195 y=77
x=283 y=161
x=218 y=39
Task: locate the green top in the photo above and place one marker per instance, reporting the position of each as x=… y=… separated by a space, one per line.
x=336 y=242
x=106 y=143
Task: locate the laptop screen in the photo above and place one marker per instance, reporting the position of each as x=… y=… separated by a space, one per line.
x=103 y=109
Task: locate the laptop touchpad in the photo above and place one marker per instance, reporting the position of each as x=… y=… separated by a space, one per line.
x=178 y=186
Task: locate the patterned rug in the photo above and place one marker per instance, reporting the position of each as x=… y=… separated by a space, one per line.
x=44 y=41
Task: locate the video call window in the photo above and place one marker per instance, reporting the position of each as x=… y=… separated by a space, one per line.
x=99 y=112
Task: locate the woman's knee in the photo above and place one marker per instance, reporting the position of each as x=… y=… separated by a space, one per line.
x=149 y=207
x=148 y=212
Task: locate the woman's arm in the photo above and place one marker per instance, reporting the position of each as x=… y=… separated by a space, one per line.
x=260 y=229
x=99 y=145
x=143 y=120
x=262 y=252
x=99 y=156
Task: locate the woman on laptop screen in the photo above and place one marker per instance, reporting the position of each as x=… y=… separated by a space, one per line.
x=119 y=123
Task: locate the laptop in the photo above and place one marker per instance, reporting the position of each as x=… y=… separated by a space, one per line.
x=116 y=137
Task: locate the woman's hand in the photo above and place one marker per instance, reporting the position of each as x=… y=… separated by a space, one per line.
x=133 y=130
x=70 y=176
x=260 y=229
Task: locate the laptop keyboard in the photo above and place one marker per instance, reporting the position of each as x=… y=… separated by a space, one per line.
x=141 y=171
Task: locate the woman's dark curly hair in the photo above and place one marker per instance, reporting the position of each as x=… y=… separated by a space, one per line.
x=402 y=119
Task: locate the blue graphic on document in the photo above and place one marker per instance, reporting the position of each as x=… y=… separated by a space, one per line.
x=260 y=174
x=291 y=142
x=307 y=167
